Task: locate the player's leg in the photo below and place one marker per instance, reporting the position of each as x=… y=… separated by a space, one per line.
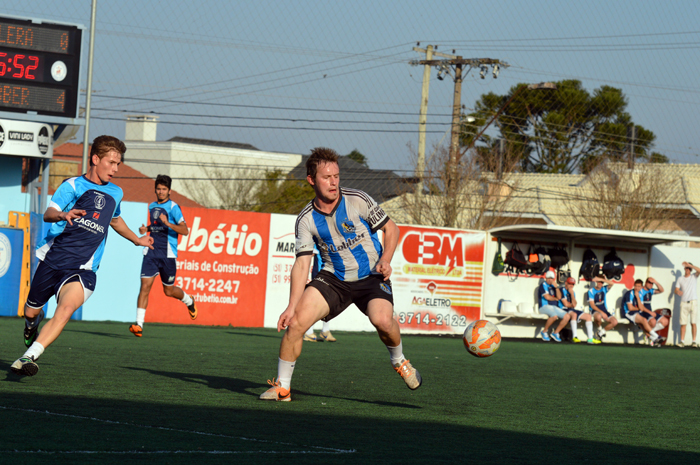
x=381 y=314
x=588 y=322
x=168 y=271
x=311 y=307
x=565 y=317
x=612 y=322
x=71 y=297
x=142 y=304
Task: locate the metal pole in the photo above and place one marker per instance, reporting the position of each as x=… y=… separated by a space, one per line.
x=422 y=120
x=86 y=136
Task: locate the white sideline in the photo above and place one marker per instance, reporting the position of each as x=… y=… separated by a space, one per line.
x=317 y=449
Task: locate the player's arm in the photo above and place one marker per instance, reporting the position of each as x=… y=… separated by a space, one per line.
x=572 y=301
x=677 y=290
x=180 y=228
x=54 y=215
x=630 y=304
x=391 y=240
x=549 y=297
x=119 y=225
x=299 y=274
x=658 y=284
x=595 y=308
x=697 y=269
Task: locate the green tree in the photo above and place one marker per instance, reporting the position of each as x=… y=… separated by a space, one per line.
x=357 y=157
x=564 y=130
x=282 y=194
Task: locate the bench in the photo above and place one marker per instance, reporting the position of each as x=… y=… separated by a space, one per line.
x=507 y=310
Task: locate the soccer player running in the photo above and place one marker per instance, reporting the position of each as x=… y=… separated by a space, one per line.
x=597 y=303
x=343 y=223
x=568 y=303
x=81 y=210
x=635 y=312
x=165 y=223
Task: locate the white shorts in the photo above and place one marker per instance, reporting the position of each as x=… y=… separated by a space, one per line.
x=551 y=310
x=689 y=311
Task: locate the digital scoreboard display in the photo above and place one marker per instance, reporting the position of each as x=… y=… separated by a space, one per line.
x=39 y=67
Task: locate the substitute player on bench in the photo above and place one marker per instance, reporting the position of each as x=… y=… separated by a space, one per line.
x=343 y=223
x=81 y=210
x=165 y=223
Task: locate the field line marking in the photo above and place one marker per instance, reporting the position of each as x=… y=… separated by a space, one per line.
x=320 y=449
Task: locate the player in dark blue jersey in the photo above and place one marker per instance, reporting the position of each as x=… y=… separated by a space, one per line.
x=343 y=224
x=634 y=310
x=165 y=223
x=568 y=303
x=658 y=322
x=82 y=209
x=598 y=306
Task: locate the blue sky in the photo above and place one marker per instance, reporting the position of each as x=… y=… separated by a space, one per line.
x=289 y=76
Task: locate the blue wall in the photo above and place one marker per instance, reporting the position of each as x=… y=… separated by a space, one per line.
x=11 y=196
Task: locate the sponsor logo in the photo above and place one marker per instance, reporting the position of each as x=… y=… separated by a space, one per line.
x=285 y=247
x=431 y=287
x=349 y=244
x=348 y=227
x=5 y=254
x=21 y=136
x=90 y=225
x=43 y=140
x=2 y=136
x=96 y=215
x=225 y=238
x=376 y=215
x=320 y=280
x=100 y=201
x=384 y=287
x=431 y=302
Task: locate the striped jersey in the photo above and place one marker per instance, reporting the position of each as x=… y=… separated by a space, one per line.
x=164 y=238
x=80 y=245
x=597 y=296
x=346 y=238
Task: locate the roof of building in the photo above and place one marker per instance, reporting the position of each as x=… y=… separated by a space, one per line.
x=212 y=143
x=381 y=185
x=137 y=186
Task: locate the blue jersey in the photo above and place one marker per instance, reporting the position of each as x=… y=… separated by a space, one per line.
x=80 y=245
x=645 y=295
x=628 y=298
x=565 y=294
x=346 y=237
x=546 y=289
x=598 y=297
x=164 y=238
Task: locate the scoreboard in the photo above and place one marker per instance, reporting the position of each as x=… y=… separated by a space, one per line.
x=39 y=68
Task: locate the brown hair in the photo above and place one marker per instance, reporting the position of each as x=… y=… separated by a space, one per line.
x=639 y=281
x=318 y=156
x=102 y=145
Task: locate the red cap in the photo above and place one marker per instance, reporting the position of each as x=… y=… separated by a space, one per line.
x=570 y=280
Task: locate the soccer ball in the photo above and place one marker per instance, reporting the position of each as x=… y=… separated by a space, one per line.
x=482 y=338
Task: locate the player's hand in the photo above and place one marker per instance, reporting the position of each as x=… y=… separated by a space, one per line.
x=651 y=280
x=384 y=268
x=145 y=241
x=164 y=219
x=285 y=319
x=73 y=214
x=143 y=229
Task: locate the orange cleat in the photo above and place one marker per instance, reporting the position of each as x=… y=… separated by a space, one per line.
x=136 y=329
x=409 y=374
x=276 y=392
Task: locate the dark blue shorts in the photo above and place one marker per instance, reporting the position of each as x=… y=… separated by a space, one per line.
x=166 y=267
x=47 y=282
x=602 y=309
x=577 y=312
x=644 y=313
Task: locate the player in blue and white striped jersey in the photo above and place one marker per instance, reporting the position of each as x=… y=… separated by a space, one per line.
x=342 y=223
x=165 y=223
x=81 y=211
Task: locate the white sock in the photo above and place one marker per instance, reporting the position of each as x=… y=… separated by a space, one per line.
x=284 y=373
x=187 y=299
x=310 y=332
x=140 y=316
x=396 y=354
x=326 y=327
x=653 y=336
x=658 y=327
x=574 y=328
x=589 y=329
x=602 y=331
x=34 y=351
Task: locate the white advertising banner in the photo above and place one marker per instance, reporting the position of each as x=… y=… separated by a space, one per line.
x=25 y=139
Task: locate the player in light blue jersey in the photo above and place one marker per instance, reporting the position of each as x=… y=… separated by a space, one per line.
x=633 y=309
x=81 y=210
x=165 y=223
x=659 y=321
x=568 y=303
x=343 y=224
x=598 y=305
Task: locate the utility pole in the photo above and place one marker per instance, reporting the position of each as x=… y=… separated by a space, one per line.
x=631 y=135
x=423 y=119
x=456 y=64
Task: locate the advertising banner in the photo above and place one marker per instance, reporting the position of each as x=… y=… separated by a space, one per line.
x=222 y=264
x=437 y=279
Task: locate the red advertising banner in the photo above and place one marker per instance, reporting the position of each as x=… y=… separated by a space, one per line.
x=438 y=279
x=222 y=264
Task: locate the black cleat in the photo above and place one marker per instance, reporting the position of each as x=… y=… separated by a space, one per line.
x=25 y=366
x=30 y=334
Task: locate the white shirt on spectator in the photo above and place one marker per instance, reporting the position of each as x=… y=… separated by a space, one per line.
x=688 y=285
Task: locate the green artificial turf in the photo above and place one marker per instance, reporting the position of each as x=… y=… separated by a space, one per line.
x=189 y=394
